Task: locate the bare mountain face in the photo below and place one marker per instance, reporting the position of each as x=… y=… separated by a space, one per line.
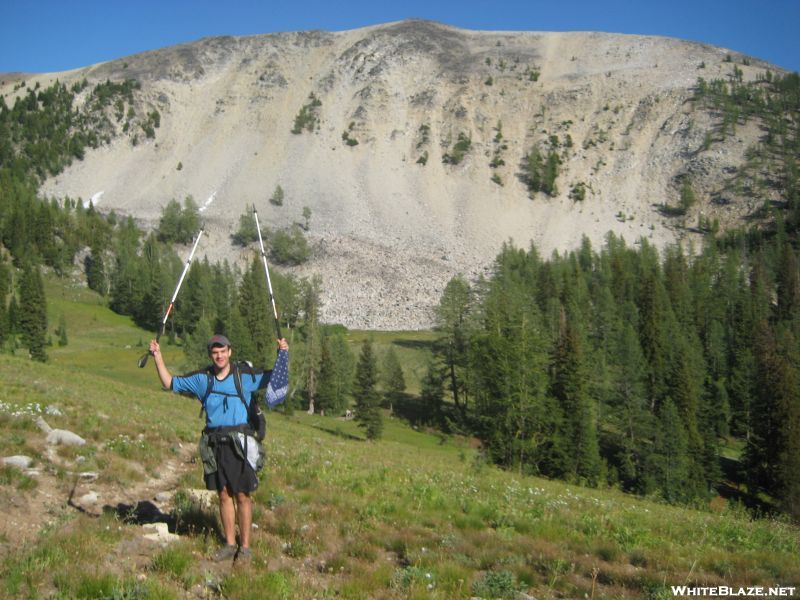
x=412 y=159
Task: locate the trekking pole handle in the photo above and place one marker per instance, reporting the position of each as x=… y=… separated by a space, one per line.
x=266 y=270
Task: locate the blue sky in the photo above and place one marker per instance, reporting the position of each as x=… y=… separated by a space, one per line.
x=56 y=35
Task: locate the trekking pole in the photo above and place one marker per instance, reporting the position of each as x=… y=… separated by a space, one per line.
x=144 y=357
x=266 y=270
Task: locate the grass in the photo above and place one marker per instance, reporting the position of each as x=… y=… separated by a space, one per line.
x=414 y=515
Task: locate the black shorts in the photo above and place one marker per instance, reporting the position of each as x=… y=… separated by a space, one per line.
x=232 y=472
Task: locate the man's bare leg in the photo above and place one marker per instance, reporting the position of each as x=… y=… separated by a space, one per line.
x=244 y=504
x=227 y=513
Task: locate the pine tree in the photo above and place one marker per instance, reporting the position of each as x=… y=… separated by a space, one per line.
x=762 y=448
x=288 y=297
x=62 y=331
x=257 y=342
x=5 y=288
x=676 y=284
x=788 y=397
x=452 y=319
x=312 y=335
x=685 y=389
x=432 y=394
x=14 y=312
x=223 y=299
x=326 y=374
x=631 y=415
x=96 y=272
x=4 y=325
x=508 y=358
x=169 y=225
x=336 y=375
x=669 y=463
x=742 y=372
x=394 y=383
x=569 y=386
x=548 y=184
x=151 y=299
x=195 y=348
x=773 y=451
x=239 y=335
x=127 y=276
x=621 y=266
x=33 y=320
x=367 y=399
x=534 y=170
x=788 y=285
x=654 y=333
x=196 y=299
x=190 y=220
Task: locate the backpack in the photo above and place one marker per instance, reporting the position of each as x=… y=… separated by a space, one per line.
x=255 y=416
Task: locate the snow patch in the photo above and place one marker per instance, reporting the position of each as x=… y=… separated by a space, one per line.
x=208 y=202
x=94 y=200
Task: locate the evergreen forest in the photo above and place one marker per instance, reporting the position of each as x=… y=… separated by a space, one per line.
x=673 y=373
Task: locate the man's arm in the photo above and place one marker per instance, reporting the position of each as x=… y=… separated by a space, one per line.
x=163 y=373
x=279 y=377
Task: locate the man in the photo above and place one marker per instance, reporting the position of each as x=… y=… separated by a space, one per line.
x=227 y=445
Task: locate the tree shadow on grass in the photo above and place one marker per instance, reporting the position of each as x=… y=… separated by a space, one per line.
x=729 y=488
x=412 y=409
x=337 y=431
x=415 y=344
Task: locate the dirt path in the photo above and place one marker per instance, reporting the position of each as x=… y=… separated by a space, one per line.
x=57 y=492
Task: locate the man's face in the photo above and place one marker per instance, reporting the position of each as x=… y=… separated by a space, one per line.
x=220 y=356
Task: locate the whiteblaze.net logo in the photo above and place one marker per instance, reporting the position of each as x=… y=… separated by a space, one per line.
x=684 y=591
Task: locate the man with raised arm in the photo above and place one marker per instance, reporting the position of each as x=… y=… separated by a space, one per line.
x=229 y=446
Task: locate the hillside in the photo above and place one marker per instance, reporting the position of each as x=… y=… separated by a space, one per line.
x=415 y=515
x=397 y=206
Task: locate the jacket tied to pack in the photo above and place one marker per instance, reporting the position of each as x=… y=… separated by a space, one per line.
x=240 y=439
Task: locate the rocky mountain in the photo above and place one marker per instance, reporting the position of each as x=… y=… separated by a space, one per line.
x=409 y=143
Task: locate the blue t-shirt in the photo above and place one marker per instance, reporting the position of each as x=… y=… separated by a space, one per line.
x=224 y=408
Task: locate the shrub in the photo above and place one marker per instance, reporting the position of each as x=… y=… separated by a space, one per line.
x=688 y=198
x=348 y=140
x=578 y=192
x=277 y=196
x=460 y=149
x=307 y=117
x=247 y=232
x=500 y=584
x=289 y=247
x=179 y=224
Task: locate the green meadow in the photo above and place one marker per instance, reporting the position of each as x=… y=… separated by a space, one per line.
x=415 y=515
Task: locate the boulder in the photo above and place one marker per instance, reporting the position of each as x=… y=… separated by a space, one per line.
x=88 y=499
x=67 y=438
x=19 y=461
x=42 y=424
x=161 y=533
